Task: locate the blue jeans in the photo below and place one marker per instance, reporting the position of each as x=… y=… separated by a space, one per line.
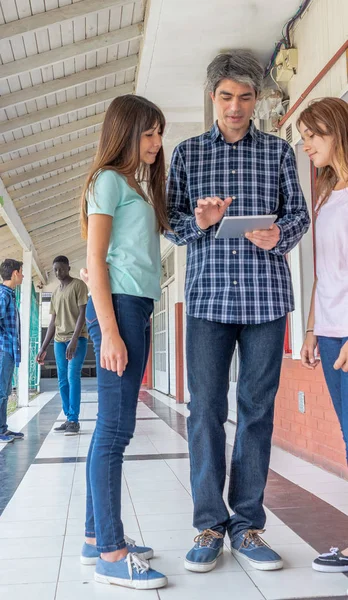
x=6 y=374
x=117 y=405
x=336 y=381
x=69 y=377
x=209 y=350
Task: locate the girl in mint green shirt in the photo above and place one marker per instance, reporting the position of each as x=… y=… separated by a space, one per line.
x=121 y=223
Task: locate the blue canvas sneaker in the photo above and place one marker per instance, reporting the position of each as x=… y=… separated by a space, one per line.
x=131 y=572
x=17 y=435
x=90 y=554
x=248 y=544
x=204 y=554
x=5 y=439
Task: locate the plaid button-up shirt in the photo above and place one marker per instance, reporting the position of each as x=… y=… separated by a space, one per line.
x=9 y=324
x=232 y=280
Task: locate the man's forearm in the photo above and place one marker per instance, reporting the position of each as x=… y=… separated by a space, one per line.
x=79 y=325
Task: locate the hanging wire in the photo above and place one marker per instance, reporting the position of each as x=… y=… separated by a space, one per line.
x=286 y=35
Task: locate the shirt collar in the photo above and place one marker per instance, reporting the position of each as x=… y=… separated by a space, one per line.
x=7 y=289
x=216 y=134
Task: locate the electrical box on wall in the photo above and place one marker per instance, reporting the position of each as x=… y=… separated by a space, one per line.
x=286 y=64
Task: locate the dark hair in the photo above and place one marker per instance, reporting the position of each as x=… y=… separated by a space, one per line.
x=126 y=119
x=8 y=267
x=61 y=259
x=329 y=116
x=241 y=66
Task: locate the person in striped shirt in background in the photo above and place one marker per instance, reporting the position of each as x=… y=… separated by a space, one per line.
x=237 y=290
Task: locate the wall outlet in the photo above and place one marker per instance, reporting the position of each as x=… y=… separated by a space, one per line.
x=301 y=402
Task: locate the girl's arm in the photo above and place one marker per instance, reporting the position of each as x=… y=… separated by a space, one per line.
x=113 y=352
x=310 y=342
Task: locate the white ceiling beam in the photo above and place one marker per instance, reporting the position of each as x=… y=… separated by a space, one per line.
x=73 y=185
x=65 y=108
x=49 y=182
x=49 y=214
x=57 y=15
x=66 y=241
x=40 y=233
x=37 y=208
x=57 y=233
x=50 y=220
x=35 y=157
x=13 y=220
x=64 y=83
x=65 y=247
x=53 y=166
x=51 y=134
x=52 y=57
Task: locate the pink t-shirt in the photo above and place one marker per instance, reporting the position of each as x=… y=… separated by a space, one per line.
x=331 y=299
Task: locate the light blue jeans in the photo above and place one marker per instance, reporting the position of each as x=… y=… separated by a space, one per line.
x=69 y=376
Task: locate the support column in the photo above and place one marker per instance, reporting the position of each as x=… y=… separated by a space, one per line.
x=23 y=371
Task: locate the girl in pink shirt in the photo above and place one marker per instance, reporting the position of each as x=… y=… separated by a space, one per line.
x=324 y=130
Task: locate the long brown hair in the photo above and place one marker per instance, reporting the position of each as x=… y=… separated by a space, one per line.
x=118 y=150
x=329 y=116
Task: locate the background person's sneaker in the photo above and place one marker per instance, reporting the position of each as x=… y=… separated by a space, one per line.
x=5 y=439
x=131 y=572
x=17 y=435
x=248 y=544
x=62 y=427
x=204 y=554
x=90 y=554
x=72 y=428
x=331 y=562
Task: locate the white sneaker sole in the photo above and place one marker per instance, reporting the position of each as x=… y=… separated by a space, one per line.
x=71 y=433
x=152 y=584
x=274 y=565
x=6 y=441
x=325 y=569
x=202 y=567
x=84 y=560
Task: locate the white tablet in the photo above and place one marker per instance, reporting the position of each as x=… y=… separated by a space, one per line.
x=233 y=227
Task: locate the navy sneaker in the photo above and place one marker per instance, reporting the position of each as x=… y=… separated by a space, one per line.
x=248 y=544
x=204 y=554
x=131 y=572
x=17 y=435
x=331 y=562
x=90 y=554
x=5 y=439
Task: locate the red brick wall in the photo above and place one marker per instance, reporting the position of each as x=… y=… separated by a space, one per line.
x=314 y=435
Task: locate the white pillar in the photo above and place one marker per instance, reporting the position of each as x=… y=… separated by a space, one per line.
x=23 y=371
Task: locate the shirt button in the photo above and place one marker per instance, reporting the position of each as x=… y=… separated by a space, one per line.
x=234 y=147
x=233 y=172
x=234 y=197
x=234 y=251
x=199 y=233
x=235 y=282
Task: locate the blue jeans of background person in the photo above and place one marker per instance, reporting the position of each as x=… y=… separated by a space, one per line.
x=69 y=377
x=6 y=374
x=209 y=350
x=336 y=381
x=117 y=405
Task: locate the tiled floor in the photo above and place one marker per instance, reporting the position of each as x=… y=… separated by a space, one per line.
x=42 y=498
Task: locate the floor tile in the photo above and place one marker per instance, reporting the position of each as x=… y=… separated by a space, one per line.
x=31 y=547
x=158 y=522
x=164 y=508
x=33 y=513
x=223 y=586
x=77 y=590
x=298 y=583
x=294 y=556
x=169 y=540
x=31 y=570
x=28 y=591
x=49 y=528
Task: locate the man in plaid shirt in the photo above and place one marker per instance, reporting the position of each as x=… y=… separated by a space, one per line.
x=237 y=290
x=10 y=349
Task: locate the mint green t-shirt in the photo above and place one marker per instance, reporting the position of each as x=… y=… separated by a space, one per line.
x=134 y=257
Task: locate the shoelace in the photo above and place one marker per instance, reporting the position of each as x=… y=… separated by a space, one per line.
x=252 y=537
x=129 y=541
x=332 y=552
x=134 y=562
x=207 y=537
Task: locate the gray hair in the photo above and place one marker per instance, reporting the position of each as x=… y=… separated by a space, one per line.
x=241 y=66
